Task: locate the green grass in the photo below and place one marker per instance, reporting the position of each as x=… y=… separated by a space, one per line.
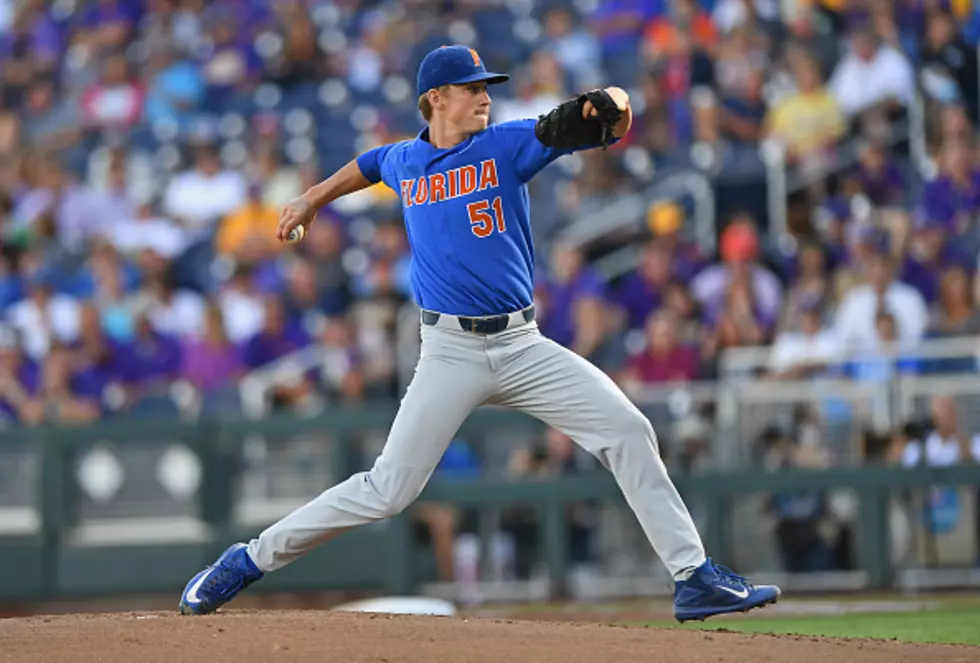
x=947 y=624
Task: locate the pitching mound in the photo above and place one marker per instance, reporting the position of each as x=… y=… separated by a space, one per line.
x=315 y=636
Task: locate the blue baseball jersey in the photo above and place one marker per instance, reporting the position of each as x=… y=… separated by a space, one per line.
x=467 y=215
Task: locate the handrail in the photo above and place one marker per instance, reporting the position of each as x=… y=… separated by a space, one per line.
x=748 y=358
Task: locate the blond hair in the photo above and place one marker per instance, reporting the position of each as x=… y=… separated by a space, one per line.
x=425 y=106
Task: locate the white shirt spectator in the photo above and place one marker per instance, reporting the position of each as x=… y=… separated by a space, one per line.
x=792 y=349
x=730 y=14
x=160 y=235
x=855 y=320
x=182 y=316
x=857 y=85
x=58 y=321
x=939 y=452
x=243 y=314
x=522 y=109
x=200 y=201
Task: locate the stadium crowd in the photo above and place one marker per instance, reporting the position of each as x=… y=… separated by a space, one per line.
x=146 y=147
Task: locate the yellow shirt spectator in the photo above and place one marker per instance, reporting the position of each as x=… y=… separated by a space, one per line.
x=806 y=121
x=810 y=118
x=251 y=224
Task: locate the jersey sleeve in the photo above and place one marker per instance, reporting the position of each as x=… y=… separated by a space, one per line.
x=528 y=154
x=372 y=161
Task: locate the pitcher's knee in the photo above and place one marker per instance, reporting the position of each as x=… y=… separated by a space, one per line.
x=393 y=492
x=634 y=429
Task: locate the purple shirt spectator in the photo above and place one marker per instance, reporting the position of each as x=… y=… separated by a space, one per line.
x=622 y=21
x=29 y=379
x=885 y=186
x=107 y=12
x=150 y=356
x=559 y=320
x=42 y=40
x=953 y=206
x=265 y=346
x=639 y=298
x=210 y=367
x=681 y=363
x=924 y=273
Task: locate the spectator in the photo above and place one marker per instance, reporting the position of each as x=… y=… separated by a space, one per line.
x=340 y=375
x=571 y=301
x=574 y=47
x=277 y=338
x=877 y=176
x=740 y=254
x=20 y=383
x=229 y=65
x=387 y=275
x=52 y=121
x=808 y=275
x=873 y=77
x=642 y=291
x=953 y=198
x=663 y=359
x=884 y=360
x=860 y=311
x=115 y=102
x=929 y=253
x=69 y=397
x=742 y=112
x=538 y=89
x=666 y=221
x=210 y=361
x=808 y=122
x=170 y=309
x=945 y=443
x=149 y=363
x=198 y=198
x=806 y=351
x=249 y=229
x=175 y=89
x=949 y=65
x=280 y=183
x=956 y=313
x=45 y=316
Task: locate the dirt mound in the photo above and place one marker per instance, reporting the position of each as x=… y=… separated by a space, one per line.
x=235 y=636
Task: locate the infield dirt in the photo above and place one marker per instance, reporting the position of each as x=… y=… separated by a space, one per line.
x=309 y=636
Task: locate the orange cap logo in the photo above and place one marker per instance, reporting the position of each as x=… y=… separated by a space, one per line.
x=476 y=58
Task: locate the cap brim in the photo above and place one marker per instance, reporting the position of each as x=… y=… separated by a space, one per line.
x=490 y=78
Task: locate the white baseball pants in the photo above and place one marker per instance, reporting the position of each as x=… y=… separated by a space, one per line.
x=457 y=372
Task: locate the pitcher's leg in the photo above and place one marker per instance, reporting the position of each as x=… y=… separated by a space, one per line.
x=568 y=393
x=449 y=383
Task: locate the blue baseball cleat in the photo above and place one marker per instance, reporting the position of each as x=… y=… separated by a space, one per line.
x=219 y=583
x=715 y=590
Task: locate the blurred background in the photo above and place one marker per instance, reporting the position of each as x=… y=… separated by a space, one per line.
x=778 y=263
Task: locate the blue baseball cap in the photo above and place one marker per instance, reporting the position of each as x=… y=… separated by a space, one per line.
x=454 y=65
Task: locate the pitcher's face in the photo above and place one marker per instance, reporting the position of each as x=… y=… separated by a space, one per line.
x=467 y=106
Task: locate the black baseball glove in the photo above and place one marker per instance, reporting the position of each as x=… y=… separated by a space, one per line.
x=564 y=127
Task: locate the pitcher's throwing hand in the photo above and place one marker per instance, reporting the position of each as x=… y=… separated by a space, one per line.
x=297 y=212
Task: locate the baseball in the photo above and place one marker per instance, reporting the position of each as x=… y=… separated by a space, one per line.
x=297 y=233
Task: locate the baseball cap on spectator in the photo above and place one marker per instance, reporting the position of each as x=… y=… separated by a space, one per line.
x=664 y=218
x=454 y=65
x=739 y=243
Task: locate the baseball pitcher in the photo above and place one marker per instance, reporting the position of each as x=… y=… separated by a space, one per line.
x=463 y=186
